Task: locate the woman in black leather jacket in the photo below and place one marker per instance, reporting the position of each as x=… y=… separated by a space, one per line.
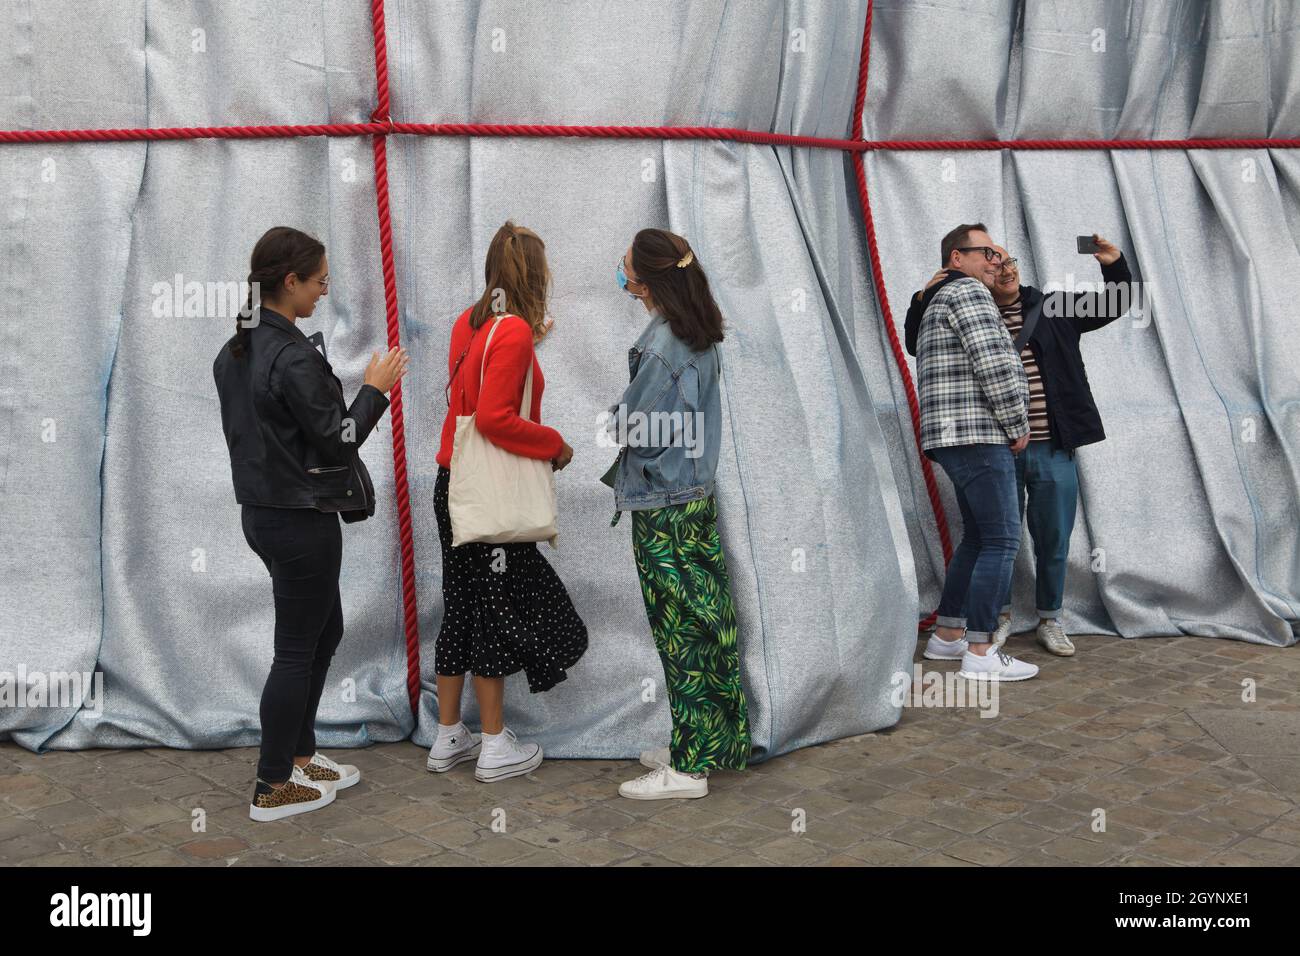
x=294 y=459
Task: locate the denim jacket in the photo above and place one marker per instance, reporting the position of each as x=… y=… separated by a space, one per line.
x=669 y=422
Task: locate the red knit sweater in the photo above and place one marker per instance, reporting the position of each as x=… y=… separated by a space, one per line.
x=503 y=389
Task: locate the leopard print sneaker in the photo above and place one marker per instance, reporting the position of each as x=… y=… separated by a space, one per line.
x=299 y=795
x=323 y=770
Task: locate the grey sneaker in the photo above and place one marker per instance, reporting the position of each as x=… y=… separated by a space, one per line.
x=995 y=666
x=1003 y=632
x=1053 y=637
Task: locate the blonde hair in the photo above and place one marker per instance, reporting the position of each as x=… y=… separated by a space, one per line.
x=518 y=279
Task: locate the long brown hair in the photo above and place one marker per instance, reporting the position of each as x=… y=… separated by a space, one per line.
x=280 y=251
x=665 y=263
x=518 y=279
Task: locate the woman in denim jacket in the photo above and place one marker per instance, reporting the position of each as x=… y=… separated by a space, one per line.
x=669 y=421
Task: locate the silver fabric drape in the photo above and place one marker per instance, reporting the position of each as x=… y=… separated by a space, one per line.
x=122 y=548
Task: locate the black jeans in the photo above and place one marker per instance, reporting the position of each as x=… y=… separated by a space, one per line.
x=303 y=550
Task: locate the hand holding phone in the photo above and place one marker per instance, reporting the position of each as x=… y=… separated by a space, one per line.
x=1104 y=251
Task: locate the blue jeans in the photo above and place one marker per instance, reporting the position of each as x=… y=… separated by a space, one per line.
x=979 y=574
x=1051 y=481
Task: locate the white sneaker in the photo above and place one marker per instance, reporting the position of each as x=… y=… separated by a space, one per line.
x=665 y=783
x=937 y=649
x=995 y=665
x=446 y=752
x=506 y=757
x=323 y=770
x=1003 y=632
x=658 y=757
x=1053 y=637
x=299 y=795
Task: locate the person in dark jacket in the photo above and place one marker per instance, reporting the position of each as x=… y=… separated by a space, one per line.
x=294 y=461
x=1062 y=413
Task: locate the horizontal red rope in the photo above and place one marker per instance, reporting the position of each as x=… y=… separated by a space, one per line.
x=188 y=132
x=620 y=132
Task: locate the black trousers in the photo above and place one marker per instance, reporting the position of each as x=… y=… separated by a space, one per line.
x=302 y=548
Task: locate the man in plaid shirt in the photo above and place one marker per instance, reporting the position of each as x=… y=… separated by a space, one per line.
x=974 y=417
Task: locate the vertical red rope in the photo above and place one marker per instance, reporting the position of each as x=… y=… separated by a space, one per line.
x=407 y=546
x=877 y=277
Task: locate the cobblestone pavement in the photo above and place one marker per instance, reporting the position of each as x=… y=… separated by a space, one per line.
x=1153 y=733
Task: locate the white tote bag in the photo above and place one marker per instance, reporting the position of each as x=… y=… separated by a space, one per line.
x=496 y=496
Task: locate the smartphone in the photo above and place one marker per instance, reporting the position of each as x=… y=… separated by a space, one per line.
x=1087 y=245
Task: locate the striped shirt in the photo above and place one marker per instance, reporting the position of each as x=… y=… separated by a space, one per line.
x=1013 y=316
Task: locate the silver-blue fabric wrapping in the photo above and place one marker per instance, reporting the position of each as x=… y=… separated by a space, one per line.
x=120 y=539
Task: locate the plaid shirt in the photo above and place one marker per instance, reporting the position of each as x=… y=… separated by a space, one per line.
x=972 y=384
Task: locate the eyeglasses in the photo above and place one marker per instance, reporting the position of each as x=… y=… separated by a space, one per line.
x=324 y=281
x=991 y=254
x=1008 y=265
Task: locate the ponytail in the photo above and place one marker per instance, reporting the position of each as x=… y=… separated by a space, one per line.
x=281 y=250
x=518 y=280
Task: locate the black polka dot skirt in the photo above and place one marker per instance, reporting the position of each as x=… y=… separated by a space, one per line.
x=505 y=609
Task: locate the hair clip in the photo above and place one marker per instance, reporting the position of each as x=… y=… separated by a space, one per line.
x=686 y=260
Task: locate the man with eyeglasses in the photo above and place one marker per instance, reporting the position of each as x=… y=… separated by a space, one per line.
x=1062 y=416
x=974 y=399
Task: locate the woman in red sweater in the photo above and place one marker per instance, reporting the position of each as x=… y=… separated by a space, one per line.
x=504 y=608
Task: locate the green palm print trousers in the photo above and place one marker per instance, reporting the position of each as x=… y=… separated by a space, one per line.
x=688 y=601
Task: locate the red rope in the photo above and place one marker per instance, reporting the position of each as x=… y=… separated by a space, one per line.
x=187 y=132
x=624 y=132
x=380 y=117
x=381 y=127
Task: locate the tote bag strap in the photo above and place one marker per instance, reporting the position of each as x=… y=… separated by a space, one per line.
x=526 y=404
x=482 y=367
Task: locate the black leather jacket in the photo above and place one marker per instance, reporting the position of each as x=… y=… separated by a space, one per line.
x=293 y=441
